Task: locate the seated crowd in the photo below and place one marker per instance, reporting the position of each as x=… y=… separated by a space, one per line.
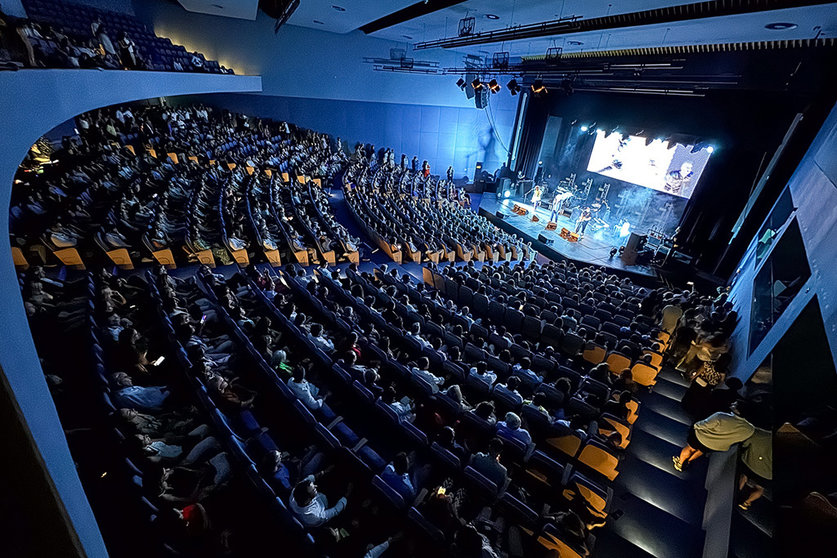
x=155 y=179
x=482 y=412
x=65 y=35
x=429 y=219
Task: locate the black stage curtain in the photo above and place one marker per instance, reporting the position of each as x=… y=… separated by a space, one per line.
x=533 y=130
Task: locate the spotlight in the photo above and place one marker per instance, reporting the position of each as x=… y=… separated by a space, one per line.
x=538 y=87
x=583 y=128
x=613 y=252
x=710 y=149
x=494 y=86
x=476 y=84
x=513 y=86
x=507 y=194
x=461 y=83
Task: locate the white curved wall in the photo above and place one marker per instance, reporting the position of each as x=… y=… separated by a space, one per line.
x=31 y=103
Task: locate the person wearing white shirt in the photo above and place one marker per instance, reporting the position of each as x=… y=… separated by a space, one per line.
x=483 y=374
x=311 y=507
x=305 y=391
x=320 y=341
x=421 y=370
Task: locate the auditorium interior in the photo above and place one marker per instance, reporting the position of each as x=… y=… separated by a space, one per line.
x=409 y=278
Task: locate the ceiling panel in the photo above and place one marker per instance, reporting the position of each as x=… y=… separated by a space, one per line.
x=353 y=15
x=241 y=9
x=810 y=21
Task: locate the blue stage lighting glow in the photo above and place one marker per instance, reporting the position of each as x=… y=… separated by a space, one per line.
x=710 y=149
x=507 y=194
x=625 y=230
x=584 y=128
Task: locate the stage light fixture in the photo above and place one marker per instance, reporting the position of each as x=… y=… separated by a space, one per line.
x=583 y=128
x=513 y=86
x=710 y=149
x=494 y=86
x=507 y=194
x=476 y=84
x=538 y=87
x=461 y=83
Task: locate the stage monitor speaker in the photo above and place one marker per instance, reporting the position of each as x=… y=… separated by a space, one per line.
x=629 y=254
x=566 y=213
x=545 y=240
x=500 y=215
x=551 y=226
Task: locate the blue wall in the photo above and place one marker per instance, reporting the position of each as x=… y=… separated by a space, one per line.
x=442 y=135
x=318 y=79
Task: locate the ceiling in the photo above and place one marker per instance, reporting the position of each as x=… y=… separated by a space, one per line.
x=810 y=21
x=241 y=9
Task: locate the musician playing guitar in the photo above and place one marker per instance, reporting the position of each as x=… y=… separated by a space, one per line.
x=583 y=220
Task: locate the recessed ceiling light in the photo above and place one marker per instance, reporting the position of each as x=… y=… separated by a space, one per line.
x=492 y=16
x=780 y=26
x=338 y=8
x=407 y=37
x=575 y=43
x=318 y=22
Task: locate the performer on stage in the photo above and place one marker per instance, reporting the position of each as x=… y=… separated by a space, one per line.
x=557 y=203
x=583 y=220
x=536 y=198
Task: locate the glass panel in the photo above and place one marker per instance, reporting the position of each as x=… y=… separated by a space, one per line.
x=781 y=277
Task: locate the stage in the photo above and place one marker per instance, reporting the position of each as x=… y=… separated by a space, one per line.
x=594 y=248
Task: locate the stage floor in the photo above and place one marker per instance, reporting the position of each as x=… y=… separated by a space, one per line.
x=593 y=249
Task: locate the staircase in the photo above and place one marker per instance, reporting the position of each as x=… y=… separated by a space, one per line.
x=657 y=511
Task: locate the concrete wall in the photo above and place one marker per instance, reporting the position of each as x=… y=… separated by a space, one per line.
x=34 y=101
x=813 y=188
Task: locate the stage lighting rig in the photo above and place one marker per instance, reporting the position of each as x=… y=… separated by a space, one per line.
x=461 y=83
x=476 y=84
x=466 y=26
x=494 y=86
x=538 y=87
x=584 y=128
x=500 y=60
x=513 y=86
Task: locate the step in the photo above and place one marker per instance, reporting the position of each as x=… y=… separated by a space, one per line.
x=658 y=453
x=610 y=545
x=662 y=427
x=670 y=374
x=684 y=499
x=761 y=514
x=656 y=532
x=748 y=541
x=666 y=407
x=670 y=389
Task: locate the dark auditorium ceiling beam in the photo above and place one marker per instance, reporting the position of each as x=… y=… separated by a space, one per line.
x=410 y=12
x=670 y=14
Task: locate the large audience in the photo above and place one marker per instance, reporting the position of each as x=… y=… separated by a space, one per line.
x=483 y=411
x=59 y=35
x=191 y=180
x=408 y=211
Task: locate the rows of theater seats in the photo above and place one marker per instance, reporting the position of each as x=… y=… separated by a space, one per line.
x=150 y=448
x=178 y=185
x=564 y=468
x=418 y=217
x=61 y=35
x=382 y=322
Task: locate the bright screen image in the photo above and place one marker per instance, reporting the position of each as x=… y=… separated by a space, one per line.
x=670 y=168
